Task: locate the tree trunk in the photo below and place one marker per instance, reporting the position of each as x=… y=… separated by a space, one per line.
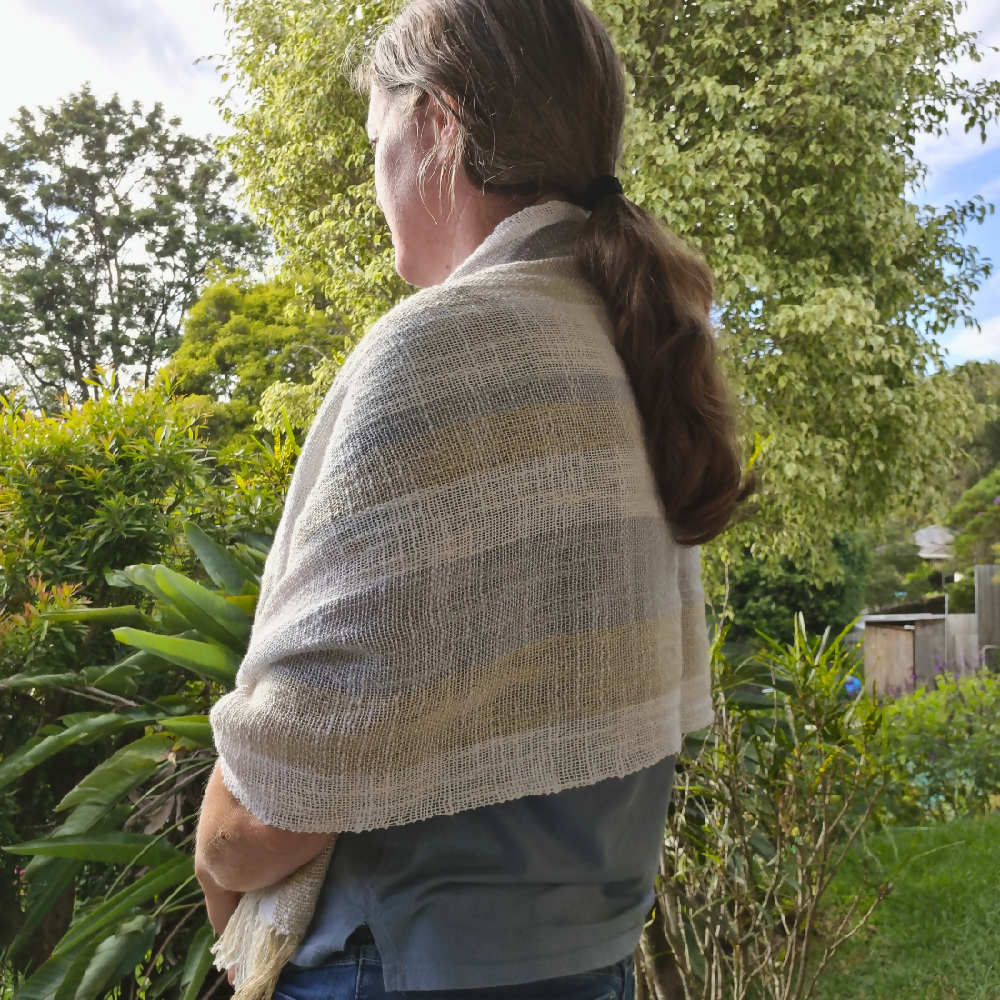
x=49 y=932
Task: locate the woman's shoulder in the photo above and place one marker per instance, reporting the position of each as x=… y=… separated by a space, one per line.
x=529 y=329
x=510 y=306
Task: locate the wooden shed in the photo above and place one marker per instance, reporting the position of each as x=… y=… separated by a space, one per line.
x=904 y=651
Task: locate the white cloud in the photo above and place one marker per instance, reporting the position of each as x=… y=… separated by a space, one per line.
x=143 y=50
x=970 y=345
x=113 y=27
x=956 y=148
x=945 y=155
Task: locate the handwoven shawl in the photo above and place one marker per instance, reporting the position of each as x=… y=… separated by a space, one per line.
x=473 y=594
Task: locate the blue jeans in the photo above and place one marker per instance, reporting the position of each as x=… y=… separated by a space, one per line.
x=356 y=974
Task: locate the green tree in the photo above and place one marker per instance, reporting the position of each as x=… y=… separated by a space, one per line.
x=300 y=146
x=983 y=379
x=109 y=217
x=976 y=518
x=779 y=139
x=241 y=337
x=765 y=596
x=894 y=576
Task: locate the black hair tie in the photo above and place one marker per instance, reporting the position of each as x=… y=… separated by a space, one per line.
x=600 y=188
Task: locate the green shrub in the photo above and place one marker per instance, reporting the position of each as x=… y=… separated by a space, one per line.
x=766 y=595
x=118 y=843
x=241 y=337
x=769 y=803
x=100 y=483
x=31 y=644
x=942 y=752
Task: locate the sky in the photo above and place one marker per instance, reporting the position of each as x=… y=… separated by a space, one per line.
x=161 y=50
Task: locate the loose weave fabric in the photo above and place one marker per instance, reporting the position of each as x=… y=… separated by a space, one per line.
x=473 y=595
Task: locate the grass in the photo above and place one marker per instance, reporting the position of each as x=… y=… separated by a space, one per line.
x=937 y=935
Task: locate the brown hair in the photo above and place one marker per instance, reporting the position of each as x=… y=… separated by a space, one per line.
x=538 y=95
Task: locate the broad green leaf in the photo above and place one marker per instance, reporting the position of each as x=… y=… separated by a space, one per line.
x=29 y=756
x=247 y=603
x=174 y=706
x=49 y=877
x=29 y=682
x=53 y=974
x=115 y=957
x=118 y=678
x=89 y=924
x=211 y=613
x=110 y=848
x=75 y=718
x=127 y=614
x=91 y=816
x=261 y=543
x=214 y=662
x=199 y=961
x=141 y=575
x=251 y=558
x=170 y=620
x=195 y=728
x=146 y=662
x=225 y=570
x=111 y=781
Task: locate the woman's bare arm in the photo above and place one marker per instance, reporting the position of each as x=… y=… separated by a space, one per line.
x=235 y=852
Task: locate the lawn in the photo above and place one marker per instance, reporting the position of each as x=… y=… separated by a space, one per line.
x=937 y=935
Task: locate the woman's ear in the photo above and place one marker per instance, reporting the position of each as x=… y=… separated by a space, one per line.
x=444 y=120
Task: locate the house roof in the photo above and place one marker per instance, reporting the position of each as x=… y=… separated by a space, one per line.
x=919 y=616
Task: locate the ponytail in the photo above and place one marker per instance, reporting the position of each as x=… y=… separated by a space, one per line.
x=659 y=294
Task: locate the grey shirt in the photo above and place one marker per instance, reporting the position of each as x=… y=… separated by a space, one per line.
x=544 y=886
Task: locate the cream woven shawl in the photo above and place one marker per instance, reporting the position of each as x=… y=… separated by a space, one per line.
x=473 y=595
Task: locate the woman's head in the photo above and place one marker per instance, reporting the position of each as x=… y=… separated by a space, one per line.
x=485 y=106
x=489 y=106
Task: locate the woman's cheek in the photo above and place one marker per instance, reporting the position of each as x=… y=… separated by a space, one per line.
x=390 y=185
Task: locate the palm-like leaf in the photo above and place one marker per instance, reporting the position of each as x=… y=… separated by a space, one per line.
x=134 y=812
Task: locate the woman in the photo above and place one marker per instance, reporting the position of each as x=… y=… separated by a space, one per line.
x=481 y=633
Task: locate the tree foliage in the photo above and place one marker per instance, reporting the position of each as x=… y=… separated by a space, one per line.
x=767 y=596
x=779 y=140
x=300 y=146
x=96 y=484
x=241 y=337
x=109 y=217
x=976 y=517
